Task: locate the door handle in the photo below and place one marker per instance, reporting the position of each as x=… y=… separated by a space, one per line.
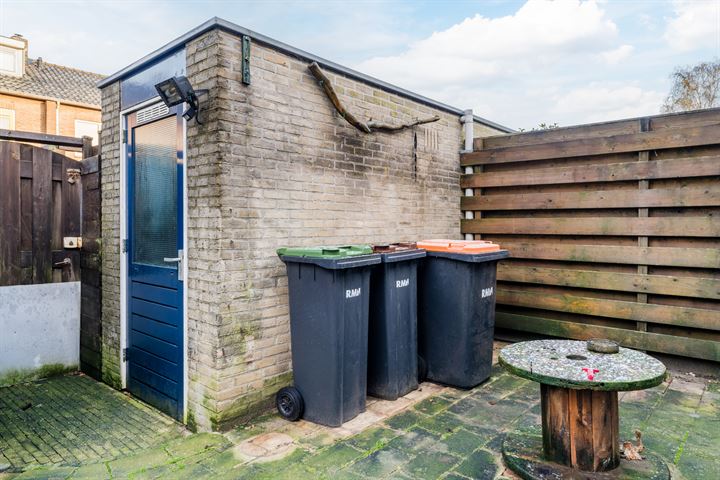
x=179 y=259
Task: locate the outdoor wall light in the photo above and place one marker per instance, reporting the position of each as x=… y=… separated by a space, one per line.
x=177 y=90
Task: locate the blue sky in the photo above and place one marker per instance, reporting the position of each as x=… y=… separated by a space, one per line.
x=518 y=63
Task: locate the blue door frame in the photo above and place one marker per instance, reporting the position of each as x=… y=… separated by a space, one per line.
x=155 y=235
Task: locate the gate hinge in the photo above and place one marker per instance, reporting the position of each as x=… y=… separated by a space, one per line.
x=123 y=247
x=246 y=60
x=124 y=354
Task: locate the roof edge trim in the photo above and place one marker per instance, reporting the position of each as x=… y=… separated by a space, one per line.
x=230 y=27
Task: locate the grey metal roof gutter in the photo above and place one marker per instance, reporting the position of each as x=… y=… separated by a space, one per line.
x=230 y=27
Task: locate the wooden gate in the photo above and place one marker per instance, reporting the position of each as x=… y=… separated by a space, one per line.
x=40 y=196
x=613 y=228
x=46 y=199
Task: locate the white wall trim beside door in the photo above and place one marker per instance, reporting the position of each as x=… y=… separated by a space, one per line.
x=186 y=373
x=123 y=253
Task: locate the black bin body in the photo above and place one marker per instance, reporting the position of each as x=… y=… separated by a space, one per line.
x=456 y=317
x=392 y=339
x=329 y=302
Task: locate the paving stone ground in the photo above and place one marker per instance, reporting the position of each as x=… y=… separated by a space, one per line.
x=71 y=420
x=436 y=433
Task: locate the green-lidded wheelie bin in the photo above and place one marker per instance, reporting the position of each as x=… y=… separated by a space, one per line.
x=329 y=290
x=456 y=310
x=392 y=337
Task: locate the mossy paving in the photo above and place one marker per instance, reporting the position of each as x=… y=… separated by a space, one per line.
x=72 y=420
x=453 y=435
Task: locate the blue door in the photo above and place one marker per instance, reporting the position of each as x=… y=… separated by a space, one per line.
x=155 y=256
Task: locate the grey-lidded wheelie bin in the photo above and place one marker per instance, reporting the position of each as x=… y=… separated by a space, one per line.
x=329 y=289
x=456 y=310
x=392 y=337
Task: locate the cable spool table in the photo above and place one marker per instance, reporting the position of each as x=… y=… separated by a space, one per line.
x=579 y=385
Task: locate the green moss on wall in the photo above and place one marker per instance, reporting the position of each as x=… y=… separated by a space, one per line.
x=15 y=376
x=251 y=405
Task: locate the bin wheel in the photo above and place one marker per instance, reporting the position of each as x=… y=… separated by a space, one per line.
x=289 y=403
x=422 y=369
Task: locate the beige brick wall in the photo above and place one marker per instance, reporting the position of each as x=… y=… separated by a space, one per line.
x=272 y=165
x=292 y=172
x=205 y=236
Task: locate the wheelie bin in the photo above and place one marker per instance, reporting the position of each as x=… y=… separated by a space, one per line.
x=329 y=291
x=392 y=335
x=456 y=310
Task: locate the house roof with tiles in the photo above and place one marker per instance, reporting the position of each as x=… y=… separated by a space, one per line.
x=55 y=82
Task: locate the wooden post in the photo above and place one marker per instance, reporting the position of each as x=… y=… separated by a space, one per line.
x=643 y=156
x=580 y=428
x=90 y=270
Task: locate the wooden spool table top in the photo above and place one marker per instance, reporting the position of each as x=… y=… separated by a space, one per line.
x=569 y=364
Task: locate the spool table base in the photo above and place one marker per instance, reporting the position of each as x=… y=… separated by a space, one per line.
x=523 y=454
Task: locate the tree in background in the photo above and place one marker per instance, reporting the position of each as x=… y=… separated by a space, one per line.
x=541 y=126
x=694 y=87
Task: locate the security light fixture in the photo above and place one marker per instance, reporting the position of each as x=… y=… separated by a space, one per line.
x=177 y=90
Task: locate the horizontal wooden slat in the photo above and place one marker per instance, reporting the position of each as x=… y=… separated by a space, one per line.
x=43 y=138
x=620 y=226
x=602 y=307
x=561 y=134
x=654 y=342
x=675 y=197
x=90 y=165
x=627 y=282
x=677 y=138
x=667 y=256
x=572 y=132
x=707 y=116
x=613 y=172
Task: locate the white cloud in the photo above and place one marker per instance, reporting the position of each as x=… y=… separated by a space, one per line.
x=483 y=48
x=696 y=25
x=647 y=21
x=607 y=101
x=617 y=55
x=540 y=64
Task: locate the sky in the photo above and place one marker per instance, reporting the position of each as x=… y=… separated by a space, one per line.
x=518 y=63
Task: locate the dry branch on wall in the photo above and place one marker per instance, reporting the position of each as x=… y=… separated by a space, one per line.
x=370 y=125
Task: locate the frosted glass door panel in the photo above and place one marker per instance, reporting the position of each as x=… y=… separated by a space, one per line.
x=155 y=193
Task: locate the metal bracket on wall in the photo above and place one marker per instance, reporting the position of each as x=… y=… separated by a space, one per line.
x=246 y=60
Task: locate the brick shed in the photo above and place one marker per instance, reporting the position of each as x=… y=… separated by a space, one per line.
x=195 y=311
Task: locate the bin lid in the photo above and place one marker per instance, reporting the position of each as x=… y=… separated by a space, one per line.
x=394 y=247
x=327 y=251
x=458 y=246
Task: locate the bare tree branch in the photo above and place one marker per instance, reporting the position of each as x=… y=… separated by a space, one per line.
x=368 y=126
x=394 y=128
x=330 y=91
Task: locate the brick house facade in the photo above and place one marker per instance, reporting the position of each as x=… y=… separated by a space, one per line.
x=37 y=96
x=272 y=165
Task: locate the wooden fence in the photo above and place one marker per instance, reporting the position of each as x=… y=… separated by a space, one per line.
x=46 y=196
x=613 y=228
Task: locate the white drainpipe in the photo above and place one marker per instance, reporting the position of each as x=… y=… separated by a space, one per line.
x=57 y=117
x=467 y=121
